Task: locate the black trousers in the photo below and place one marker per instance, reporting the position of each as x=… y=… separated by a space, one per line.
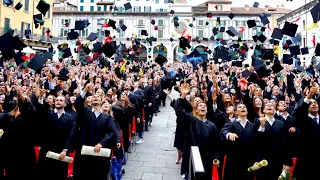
x=148 y=112
x=163 y=98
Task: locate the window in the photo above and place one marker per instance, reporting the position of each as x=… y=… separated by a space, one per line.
x=91 y=8
x=92 y=1
x=304 y=24
x=222 y=22
x=81 y=8
x=29 y=26
x=65 y=21
x=200 y=22
x=220 y=7
x=121 y=9
x=81 y=1
x=165 y=1
x=105 y=7
x=147 y=9
x=99 y=8
x=160 y=33
x=22 y=29
x=161 y=10
x=121 y=34
x=140 y=22
x=137 y=9
x=200 y=33
x=304 y=42
x=26 y=5
x=157 y=1
x=160 y=22
x=139 y=32
x=6 y=22
x=121 y=21
x=64 y=32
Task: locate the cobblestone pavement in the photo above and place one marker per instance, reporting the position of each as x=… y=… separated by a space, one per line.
x=155 y=158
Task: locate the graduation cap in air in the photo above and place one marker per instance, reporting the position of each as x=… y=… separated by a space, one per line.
x=263 y=71
x=106 y=33
x=127 y=6
x=18 y=6
x=289 y=29
x=63 y=74
x=277 y=33
x=123 y=27
x=209 y=15
x=160 y=59
x=62 y=46
x=262 y=29
x=215 y=31
x=18 y=58
x=108 y=50
x=315 y=13
x=237 y=63
x=37 y=62
x=287 y=59
x=267 y=54
x=310 y=71
x=317 y=50
x=231 y=16
x=97 y=47
x=8 y=2
x=255 y=79
x=245 y=73
x=79 y=25
x=222 y=29
x=37 y=19
x=184 y=43
x=190 y=25
x=112 y=23
x=171 y=12
x=262 y=38
x=304 y=51
x=93 y=36
x=171 y=39
x=276 y=68
x=251 y=23
x=232 y=31
x=43 y=7
x=264 y=19
x=295 y=50
x=144 y=33
x=66 y=53
x=153 y=22
x=72 y=35
x=27 y=33
x=256 y=4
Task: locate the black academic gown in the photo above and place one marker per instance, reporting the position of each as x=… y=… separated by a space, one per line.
x=93 y=130
x=271 y=146
x=58 y=134
x=240 y=153
x=201 y=134
x=307 y=166
x=17 y=155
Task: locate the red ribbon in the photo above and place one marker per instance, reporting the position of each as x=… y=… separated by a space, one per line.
x=269 y=27
x=296 y=20
x=313 y=41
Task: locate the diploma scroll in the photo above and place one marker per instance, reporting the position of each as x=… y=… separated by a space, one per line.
x=1 y=133
x=55 y=156
x=258 y=166
x=89 y=150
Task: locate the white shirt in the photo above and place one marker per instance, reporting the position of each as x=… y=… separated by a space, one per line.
x=97 y=114
x=312 y=117
x=59 y=113
x=243 y=124
x=270 y=121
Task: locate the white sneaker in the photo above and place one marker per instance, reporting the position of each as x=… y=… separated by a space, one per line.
x=140 y=141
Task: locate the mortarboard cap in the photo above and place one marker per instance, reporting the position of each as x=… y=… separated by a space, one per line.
x=231 y=16
x=96 y=47
x=264 y=19
x=172 y=12
x=262 y=71
x=277 y=33
x=276 y=68
x=108 y=50
x=233 y=30
x=245 y=73
x=256 y=4
x=262 y=38
x=184 y=43
x=318 y=67
x=160 y=59
x=222 y=29
x=317 y=50
x=72 y=35
x=144 y=32
x=8 y=2
x=310 y=71
x=215 y=31
x=207 y=23
x=295 y=50
x=106 y=33
x=304 y=51
x=251 y=23
x=17 y=58
x=262 y=29
x=63 y=74
x=123 y=27
x=267 y=54
x=66 y=53
x=315 y=13
x=254 y=79
x=153 y=22
x=287 y=59
x=37 y=62
x=127 y=6
x=289 y=29
x=255 y=38
x=37 y=18
x=18 y=6
x=112 y=23
x=43 y=7
x=237 y=63
x=79 y=25
x=93 y=36
x=190 y=25
x=87 y=50
x=209 y=15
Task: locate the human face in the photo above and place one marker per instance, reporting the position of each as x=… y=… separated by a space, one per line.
x=106 y=107
x=201 y=109
x=196 y=101
x=282 y=106
x=124 y=97
x=230 y=110
x=314 y=107
x=72 y=99
x=60 y=102
x=96 y=100
x=127 y=86
x=50 y=100
x=242 y=110
x=100 y=92
x=258 y=102
x=269 y=108
x=227 y=98
x=265 y=101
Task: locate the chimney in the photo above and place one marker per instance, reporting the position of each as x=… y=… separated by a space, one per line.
x=246 y=7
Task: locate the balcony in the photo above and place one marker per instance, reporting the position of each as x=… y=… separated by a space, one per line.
x=105 y=2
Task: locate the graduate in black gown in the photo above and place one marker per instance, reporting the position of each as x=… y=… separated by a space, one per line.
x=17 y=152
x=201 y=133
x=307 y=166
x=59 y=129
x=239 y=136
x=271 y=145
x=97 y=129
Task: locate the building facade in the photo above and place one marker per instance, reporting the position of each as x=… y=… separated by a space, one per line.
x=307 y=30
x=21 y=20
x=185 y=12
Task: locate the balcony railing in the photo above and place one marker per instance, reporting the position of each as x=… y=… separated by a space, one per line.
x=33 y=37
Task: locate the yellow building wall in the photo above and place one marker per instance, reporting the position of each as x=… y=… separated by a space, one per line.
x=21 y=16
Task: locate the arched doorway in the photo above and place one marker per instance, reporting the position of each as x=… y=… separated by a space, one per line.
x=178 y=53
x=159 y=49
x=203 y=51
x=141 y=54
